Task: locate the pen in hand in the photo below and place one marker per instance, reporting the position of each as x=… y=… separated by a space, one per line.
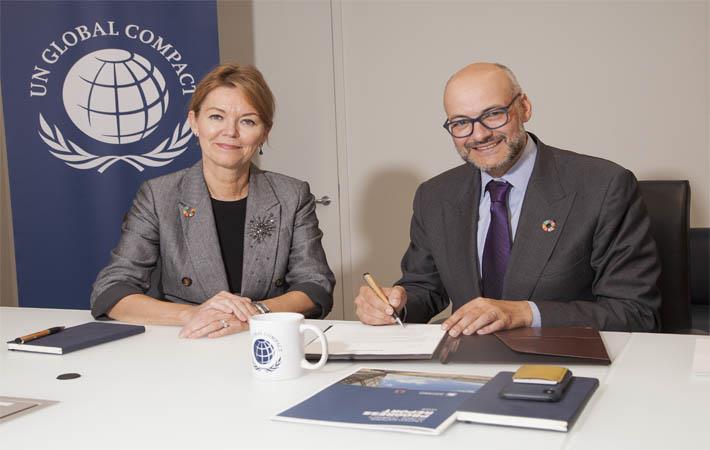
x=37 y=335
x=381 y=295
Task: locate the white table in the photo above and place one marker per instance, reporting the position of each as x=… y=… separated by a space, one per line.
x=649 y=399
x=155 y=390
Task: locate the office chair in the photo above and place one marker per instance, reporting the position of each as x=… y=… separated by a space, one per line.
x=700 y=277
x=668 y=205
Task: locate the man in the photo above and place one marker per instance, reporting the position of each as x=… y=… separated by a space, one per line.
x=523 y=234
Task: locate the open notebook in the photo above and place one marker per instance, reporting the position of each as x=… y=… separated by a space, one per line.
x=354 y=340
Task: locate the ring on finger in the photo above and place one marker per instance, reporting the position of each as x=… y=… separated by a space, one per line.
x=224 y=323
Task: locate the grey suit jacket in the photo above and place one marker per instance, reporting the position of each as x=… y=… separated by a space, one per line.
x=599 y=268
x=290 y=258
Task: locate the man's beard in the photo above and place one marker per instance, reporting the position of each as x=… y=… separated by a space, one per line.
x=514 y=146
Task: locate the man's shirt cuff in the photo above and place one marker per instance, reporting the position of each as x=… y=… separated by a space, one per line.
x=536 y=320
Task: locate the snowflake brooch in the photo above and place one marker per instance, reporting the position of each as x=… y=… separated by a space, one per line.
x=261 y=228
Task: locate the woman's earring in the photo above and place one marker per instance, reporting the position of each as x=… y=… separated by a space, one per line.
x=261 y=149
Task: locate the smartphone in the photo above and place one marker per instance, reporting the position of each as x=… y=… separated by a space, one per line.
x=536 y=392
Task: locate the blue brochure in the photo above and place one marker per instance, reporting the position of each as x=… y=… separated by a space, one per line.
x=414 y=402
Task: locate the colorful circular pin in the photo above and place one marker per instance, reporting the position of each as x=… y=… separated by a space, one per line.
x=188 y=212
x=549 y=226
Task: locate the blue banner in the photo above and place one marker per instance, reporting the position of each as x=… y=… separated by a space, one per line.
x=95 y=101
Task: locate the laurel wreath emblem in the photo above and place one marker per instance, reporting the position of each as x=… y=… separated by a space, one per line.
x=274 y=366
x=75 y=156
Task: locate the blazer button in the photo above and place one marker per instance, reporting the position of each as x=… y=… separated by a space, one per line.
x=279 y=282
x=186 y=281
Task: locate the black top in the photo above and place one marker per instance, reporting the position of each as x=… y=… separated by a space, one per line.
x=230 y=218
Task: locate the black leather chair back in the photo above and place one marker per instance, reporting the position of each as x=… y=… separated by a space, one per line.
x=668 y=205
x=700 y=266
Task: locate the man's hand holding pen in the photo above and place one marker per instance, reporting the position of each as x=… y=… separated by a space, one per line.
x=373 y=311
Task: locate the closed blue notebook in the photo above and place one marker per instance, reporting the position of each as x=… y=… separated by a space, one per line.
x=78 y=337
x=486 y=406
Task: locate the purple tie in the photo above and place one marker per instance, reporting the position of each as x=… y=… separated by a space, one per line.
x=496 y=251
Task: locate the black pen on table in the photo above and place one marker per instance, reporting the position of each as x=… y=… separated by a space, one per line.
x=381 y=295
x=37 y=335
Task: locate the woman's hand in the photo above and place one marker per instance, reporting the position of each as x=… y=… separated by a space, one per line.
x=223 y=314
x=229 y=303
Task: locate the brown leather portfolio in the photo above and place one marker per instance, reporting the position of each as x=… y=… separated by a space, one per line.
x=572 y=345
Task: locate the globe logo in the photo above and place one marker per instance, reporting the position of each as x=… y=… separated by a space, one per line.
x=263 y=351
x=115 y=96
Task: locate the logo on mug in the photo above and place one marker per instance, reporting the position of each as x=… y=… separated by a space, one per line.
x=266 y=352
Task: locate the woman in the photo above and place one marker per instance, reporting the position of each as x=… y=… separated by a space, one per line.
x=230 y=239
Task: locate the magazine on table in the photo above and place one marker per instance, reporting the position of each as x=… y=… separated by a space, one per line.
x=415 y=402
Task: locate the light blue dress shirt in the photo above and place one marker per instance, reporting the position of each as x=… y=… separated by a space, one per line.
x=518 y=176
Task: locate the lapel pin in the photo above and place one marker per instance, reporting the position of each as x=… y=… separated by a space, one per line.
x=549 y=226
x=188 y=212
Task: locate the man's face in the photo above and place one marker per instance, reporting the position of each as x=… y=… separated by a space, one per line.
x=493 y=151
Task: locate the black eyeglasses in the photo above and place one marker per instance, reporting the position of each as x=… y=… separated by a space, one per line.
x=461 y=127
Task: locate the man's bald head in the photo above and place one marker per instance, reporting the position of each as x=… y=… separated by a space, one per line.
x=485 y=71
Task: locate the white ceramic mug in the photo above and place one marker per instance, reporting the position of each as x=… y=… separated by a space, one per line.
x=277 y=345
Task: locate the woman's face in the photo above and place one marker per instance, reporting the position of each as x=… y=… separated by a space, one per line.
x=228 y=128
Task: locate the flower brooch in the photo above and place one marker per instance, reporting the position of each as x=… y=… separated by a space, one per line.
x=260 y=228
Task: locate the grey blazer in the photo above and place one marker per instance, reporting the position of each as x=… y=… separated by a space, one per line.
x=598 y=268
x=171 y=221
